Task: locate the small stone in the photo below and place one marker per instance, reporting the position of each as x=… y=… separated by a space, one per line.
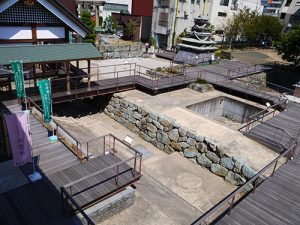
x=227 y=163
x=151 y=128
x=144 y=112
x=191 y=141
x=212 y=146
x=204 y=161
x=158 y=125
x=121 y=120
x=143 y=121
x=190 y=135
x=137 y=116
x=182 y=132
x=182 y=139
x=221 y=151
x=168 y=149
x=184 y=145
x=238 y=165
x=160 y=146
x=132 y=120
x=149 y=120
x=248 y=172
x=116 y=100
x=144 y=136
x=212 y=156
x=152 y=134
x=176 y=125
x=166 y=129
x=124 y=104
x=219 y=170
x=130 y=126
x=200 y=138
x=153 y=116
x=164 y=121
x=117 y=112
x=190 y=153
x=174 y=135
x=201 y=147
x=176 y=146
x=162 y=137
x=110 y=108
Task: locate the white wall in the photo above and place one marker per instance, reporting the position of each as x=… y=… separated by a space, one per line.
x=50 y=32
x=15 y=32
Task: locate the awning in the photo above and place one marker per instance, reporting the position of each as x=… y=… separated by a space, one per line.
x=31 y=54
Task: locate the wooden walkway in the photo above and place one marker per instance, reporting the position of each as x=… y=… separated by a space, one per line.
x=40 y=202
x=275 y=202
x=280 y=130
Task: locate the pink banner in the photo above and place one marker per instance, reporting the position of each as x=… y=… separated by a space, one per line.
x=17 y=126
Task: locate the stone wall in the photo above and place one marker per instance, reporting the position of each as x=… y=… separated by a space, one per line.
x=202 y=88
x=255 y=81
x=121 y=51
x=109 y=207
x=169 y=136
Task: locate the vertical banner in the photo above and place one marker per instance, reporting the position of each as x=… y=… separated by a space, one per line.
x=45 y=89
x=17 y=69
x=17 y=127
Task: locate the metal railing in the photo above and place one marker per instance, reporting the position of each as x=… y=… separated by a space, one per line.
x=251 y=69
x=226 y=205
x=131 y=163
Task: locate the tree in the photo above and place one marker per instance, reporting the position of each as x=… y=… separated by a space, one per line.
x=110 y=25
x=289 y=46
x=86 y=18
x=130 y=28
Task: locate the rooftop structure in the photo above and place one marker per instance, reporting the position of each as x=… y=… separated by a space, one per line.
x=38 y=22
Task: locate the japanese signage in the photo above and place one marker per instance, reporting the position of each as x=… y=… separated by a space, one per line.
x=17 y=69
x=45 y=92
x=17 y=127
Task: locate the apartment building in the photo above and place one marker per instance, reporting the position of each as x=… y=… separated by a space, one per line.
x=290 y=13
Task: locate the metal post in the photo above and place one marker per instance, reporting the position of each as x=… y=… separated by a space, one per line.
x=117 y=178
x=274 y=168
x=255 y=185
x=104 y=145
x=231 y=205
x=134 y=167
x=87 y=150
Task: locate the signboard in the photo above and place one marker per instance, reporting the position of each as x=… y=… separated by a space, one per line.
x=17 y=69
x=17 y=127
x=45 y=92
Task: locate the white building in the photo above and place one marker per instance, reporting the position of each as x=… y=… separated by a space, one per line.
x=290 y=12
x=103 y=8
x=272 y=8
x=172 y=17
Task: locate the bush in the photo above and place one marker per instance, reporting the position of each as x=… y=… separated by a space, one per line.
x=223 y=54
x=201 y=81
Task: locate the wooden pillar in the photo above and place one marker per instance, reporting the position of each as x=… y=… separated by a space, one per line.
x=43 y=71
x=68 y=77
x=34 y=75
x=77 y=68
x=89 y=74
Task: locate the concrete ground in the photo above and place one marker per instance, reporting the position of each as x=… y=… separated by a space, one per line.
x=257 y=56
x=173 y=190
x=173 y=104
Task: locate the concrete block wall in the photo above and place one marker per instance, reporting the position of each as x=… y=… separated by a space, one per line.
x=169 y=136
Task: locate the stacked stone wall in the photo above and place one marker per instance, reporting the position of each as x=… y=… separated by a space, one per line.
x=169 y=136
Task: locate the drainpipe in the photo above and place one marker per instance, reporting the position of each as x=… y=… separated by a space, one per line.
x=175 y=23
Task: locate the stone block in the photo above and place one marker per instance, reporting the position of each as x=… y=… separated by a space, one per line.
x=213 y=157
x=157 y=124
x=162 y=137
x=153 y=116
x=239 y=163
x=182 y=139
x=191 y=141
x=189 y=134
x=110 y=108
x=151 y=128
x=189 y=153
x=174 y=135
x=137 y=116
x=219 y=170
x=235 y=178
x=248 y=172
x=184 y=145
x=227 y=163
x=117 y=112
x=204 y=161
x=201 y=147
x=176 y=146
x=182 y=132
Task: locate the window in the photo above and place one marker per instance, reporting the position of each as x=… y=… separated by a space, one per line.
x=224 y=2
x=222 y=14
x=288 y=2
x=282 y=16
x=163 y=19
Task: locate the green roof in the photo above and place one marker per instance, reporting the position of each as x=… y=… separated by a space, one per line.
x=48 y=53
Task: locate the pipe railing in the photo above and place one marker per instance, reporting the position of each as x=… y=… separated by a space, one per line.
x=222 y=207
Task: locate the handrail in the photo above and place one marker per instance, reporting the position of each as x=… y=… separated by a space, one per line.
x=232 y=195
x=98 y=172
x=87 y=218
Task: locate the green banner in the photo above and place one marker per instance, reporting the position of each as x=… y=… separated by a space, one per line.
x=45 y=91
x=17 y=69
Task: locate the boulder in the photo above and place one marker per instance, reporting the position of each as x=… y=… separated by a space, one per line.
x=204 y=161
x=137 y=116
x=221 y=151
x=110 y=108
x=238 y=165
x=201 y=147
x=182 y=139
x=190 y=135
x=200 y=138
x=151 y=128
x=176 y=146
x=191 y=141
x=235 y=178
x=153 y=116
x=162 y=137
x=164 y=121
x=160 y=146
x=190 y=153
x=219 y=170
x=212 y=156
x=248 y=172
x=182 y=132
x=184 y=145
x=227 y=163
x=174 y=135
x=157 y=124
x=117 y=112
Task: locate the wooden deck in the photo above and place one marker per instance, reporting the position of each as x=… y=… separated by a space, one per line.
x=279 y=130
x=275 y=202
x=40 y=202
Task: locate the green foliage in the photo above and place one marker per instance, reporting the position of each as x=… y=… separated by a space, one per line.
x=250 y=26
x=183 y=33
x=201 y=81
x=110 y=25
x=130 y=29
x=86 y=18
x=289 y=46
x=152 y=41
